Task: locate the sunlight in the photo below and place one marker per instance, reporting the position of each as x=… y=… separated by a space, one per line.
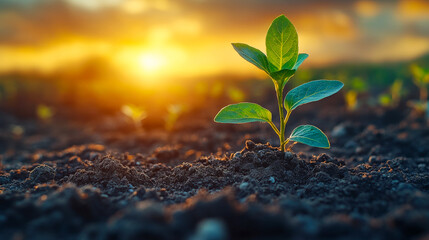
x=151 y=63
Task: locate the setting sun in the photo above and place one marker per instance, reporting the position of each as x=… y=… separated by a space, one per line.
x=150 y=63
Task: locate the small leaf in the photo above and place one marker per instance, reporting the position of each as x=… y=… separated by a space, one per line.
x=282 y=44
x=311 y=92
x=310 y=135
x=252 y=55
x=282 y=76
x=243 y=113
x=301 y=58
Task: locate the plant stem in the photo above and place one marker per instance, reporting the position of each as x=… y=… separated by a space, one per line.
x=279 y=92
x=274 y=128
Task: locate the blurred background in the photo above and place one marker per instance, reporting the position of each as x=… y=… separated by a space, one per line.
x=96 y=56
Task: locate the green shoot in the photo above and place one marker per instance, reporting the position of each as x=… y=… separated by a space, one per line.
x=421 y=80
x=236 y=94
x=393 y=97
x=135 y=113
x=174 y=112
x=356 y=86
x=280 y=64
x=351 y=100
x=44 y=112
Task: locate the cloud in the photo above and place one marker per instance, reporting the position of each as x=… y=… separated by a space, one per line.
x=331 y=31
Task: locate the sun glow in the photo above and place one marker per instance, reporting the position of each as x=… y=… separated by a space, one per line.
x=151 y=63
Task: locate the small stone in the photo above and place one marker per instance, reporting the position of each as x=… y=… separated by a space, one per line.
x=339 y=131
x=244 y=185
x=210 y=229
x=42 y=173
x=272 y=180
x=288 y=155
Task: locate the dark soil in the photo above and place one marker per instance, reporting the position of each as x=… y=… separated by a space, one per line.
x=106 y=180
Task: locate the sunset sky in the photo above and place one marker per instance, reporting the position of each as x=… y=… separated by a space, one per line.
x=156 y=39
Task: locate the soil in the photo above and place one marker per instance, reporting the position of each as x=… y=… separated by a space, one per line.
x=105 y=179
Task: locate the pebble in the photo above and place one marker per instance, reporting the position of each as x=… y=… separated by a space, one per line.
x=210 y=229
x=288 y=155
x=272 y=180
x=339 y=131
x=244 y=185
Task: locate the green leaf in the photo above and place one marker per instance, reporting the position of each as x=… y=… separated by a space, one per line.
x=243 y=113
x=311 y=92
x=282 y=76
x=310 y=135
x=301 y=58
x=252 y=55
x=282 y=44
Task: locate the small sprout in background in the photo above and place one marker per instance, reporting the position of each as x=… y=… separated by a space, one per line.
x=236 y=94
x=174 y=111
x=385 y=100
x=137 y=114
x=356 y=86
x=397 y=91
x=421 y=80
x=202 y=88
x=216 y=90
x=17 y=131
x=280 y=64
x=44 y=112
x=392 y=98
x=351 y=100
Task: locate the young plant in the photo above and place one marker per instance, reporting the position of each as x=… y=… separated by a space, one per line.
x=421 y=79
x=44 y=112
x=174 y=112
x=393 y=97
x=135 y=113
x=280 y=64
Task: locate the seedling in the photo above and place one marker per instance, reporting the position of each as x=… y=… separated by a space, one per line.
x=356 y=87
x=393 y=97
x=236 y=94
x=174 y=112
x=351 y=100
x=421 y=79
x=135 y=113
x=280 y=64
x=44 y=112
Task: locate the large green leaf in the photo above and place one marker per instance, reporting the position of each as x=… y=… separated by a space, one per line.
x=311 y=92
x=252 y=55
x=243 y=113
x=282 y=44
x=301 y=58
x=310 y=135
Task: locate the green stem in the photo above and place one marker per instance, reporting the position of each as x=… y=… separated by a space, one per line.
x=275 y=128
x=281 y=114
